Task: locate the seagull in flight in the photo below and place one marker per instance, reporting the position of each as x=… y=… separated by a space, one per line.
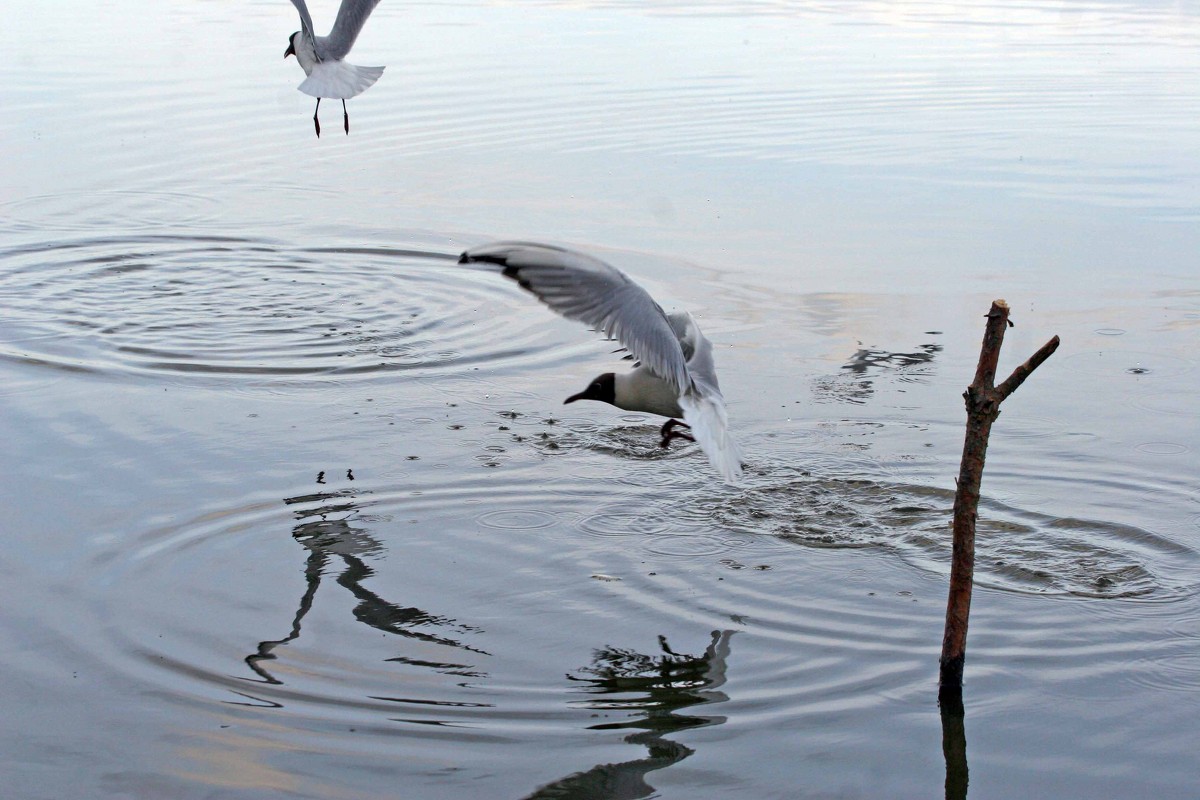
x=321 y=56
x=674 y=375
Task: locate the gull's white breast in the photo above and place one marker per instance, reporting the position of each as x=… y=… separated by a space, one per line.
x=642 y=390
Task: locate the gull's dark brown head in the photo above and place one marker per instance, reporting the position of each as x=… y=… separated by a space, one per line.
x=603 y=388
x=291 y=51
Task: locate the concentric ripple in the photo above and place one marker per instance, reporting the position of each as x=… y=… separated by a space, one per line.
x=83 y=211
x=326 y=612
x=1116 y=363
x=391 y=620
x=250 y=309
x=511 y=616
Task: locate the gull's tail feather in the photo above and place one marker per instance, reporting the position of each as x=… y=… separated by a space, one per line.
x=338 y=80
x=710 y=425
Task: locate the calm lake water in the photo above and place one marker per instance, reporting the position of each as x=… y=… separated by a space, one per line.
x=292 y=507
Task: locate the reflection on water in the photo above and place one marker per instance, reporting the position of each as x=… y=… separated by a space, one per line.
x=954 y=746
x=339 y=540
x=654 y=688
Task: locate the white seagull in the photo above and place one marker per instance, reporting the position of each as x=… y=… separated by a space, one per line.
x=321 y=56
x=674 y=375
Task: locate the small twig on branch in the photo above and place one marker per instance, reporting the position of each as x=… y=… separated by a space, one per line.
x=1012 y=382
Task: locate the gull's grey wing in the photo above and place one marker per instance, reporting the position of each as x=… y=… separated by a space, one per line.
x=698 y=352
x=305 y=20
x=587 y=289
x=704 y=409
x=350 y=20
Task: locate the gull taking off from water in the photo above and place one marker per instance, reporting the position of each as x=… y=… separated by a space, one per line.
x=321 y=56
x=674 y=375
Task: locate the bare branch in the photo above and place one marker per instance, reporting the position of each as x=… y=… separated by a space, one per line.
x=1022 y=372
x=993 y=338
x=983 y=400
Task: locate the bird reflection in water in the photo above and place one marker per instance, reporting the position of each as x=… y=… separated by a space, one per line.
x=656 y=688
x=338 y=546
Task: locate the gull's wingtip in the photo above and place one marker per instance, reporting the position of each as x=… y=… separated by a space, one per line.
x=729 y=464
x=710 y=425
x=494 y=253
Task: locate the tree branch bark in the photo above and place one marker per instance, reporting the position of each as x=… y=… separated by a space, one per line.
x=983 y=400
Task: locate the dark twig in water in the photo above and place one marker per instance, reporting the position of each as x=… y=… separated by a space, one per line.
x=983 y=400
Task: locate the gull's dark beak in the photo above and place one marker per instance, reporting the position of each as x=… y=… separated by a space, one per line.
x=291 y=51
x=574 y=397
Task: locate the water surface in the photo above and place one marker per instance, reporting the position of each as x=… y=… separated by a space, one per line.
x=292 y=504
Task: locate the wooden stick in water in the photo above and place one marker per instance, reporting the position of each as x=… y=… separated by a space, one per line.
x=983 y=400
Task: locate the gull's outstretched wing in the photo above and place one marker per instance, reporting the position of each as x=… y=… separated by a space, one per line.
x=350 y=20
x=305 y=20
x=705 y=414
x=704 y=408
x=587 y=289
x=698 y=351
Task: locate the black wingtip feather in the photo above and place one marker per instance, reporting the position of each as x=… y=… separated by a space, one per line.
x=500 y=260
x=486 y=258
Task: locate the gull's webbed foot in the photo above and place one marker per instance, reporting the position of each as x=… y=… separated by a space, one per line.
x=669 y=433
